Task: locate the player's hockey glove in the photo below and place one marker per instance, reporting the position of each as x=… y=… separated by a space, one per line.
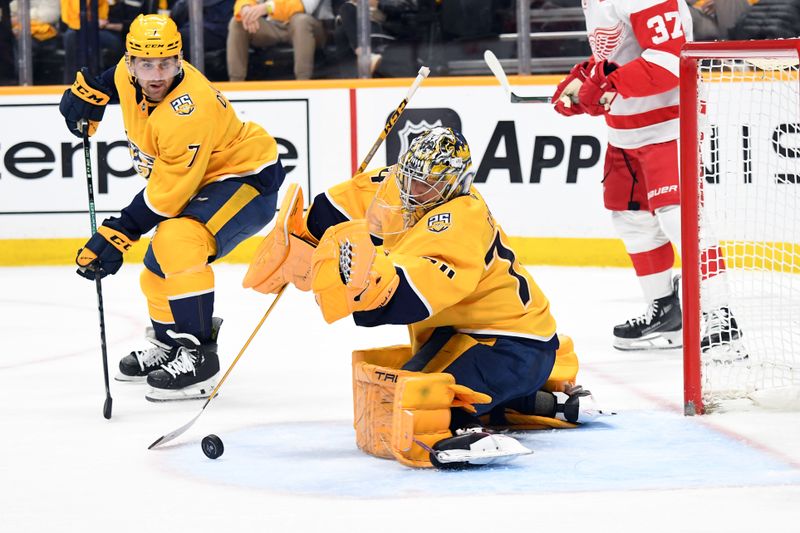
x=566 y=98
x=349 y=274
x=597 y=91
x=85 y=100
x=102 y=253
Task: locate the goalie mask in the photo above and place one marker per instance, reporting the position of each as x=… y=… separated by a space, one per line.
x=155 y=42
x=433 y=170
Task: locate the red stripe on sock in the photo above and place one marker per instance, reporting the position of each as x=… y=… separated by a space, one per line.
x=653 y=261
x=711 y=262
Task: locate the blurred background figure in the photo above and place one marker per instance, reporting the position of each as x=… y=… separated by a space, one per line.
x=7 y=71
x=769 y=19
x=267 y=24
x=109 y=36
x=45 y=46
x=216 y=16
x=346 y=37
x=714 y=19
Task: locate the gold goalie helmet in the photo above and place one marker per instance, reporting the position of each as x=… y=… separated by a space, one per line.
x=432 y=171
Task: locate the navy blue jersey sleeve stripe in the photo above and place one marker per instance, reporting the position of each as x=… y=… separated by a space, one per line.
x=137 y=218
x=323 y=215
x=405 y=307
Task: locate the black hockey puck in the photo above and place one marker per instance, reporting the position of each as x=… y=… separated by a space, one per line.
x=212 y=446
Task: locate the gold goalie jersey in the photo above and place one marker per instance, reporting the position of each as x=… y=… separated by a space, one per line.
x=190 y=139
x=456 y=268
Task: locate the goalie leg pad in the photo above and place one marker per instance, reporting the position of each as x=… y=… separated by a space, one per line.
x=401 y=414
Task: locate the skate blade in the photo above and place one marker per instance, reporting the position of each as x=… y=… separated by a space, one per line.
x=199 y=391
x=654 y=341
x=729 y=353
x=129 y=379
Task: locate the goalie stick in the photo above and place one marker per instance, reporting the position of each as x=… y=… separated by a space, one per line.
x=423 y=73
x=497 y=70
x=171 y=435
x=394 y=117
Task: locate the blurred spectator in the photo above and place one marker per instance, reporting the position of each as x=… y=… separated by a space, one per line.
x=216 y=16
x=7 y=70
x=44 y=44
x=266 y=24
x=769 y=19
x=714 y=19
x=346 y=35
x=110 y=36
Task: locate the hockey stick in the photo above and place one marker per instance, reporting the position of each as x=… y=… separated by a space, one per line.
x=423 y=73
x=169 y=436
x=497 y=70
x=87 y=156
x=393 y=118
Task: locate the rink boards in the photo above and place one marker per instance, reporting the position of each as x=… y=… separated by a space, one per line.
x=540 y=172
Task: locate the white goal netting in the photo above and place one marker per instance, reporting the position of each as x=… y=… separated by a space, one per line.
x=749 y=129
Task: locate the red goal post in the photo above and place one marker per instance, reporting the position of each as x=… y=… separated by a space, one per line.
x=740 y=172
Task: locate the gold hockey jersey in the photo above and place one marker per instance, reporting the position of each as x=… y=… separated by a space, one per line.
x=456 y=268
x=188 y=140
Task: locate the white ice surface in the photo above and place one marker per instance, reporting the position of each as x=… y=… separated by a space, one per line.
x=291 y=463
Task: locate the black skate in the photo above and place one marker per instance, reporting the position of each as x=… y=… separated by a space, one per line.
x=135 y=366
x=660 y=327
x=719 y=327
x=191 y=375
x=721 y=338
x=475 y=447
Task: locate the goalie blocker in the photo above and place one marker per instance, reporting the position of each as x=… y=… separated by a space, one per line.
x=406 y=416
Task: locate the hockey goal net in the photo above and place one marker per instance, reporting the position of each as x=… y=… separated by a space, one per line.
x=740 y=195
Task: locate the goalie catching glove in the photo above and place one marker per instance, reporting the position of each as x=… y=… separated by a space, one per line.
x=349 y=274
x=102 y=254
x=85 y=100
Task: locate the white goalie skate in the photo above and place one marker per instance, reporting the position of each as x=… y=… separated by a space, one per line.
x=475 y=447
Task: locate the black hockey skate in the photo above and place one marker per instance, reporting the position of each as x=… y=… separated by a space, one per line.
x=135 y=366
x=660 y=327
x=719 y=327
x=192 y=374
x=545 y=403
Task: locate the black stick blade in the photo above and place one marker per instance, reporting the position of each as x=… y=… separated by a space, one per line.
x=515 y=99
x=107 y=408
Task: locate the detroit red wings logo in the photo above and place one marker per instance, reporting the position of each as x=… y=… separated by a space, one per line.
x=604 y=41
